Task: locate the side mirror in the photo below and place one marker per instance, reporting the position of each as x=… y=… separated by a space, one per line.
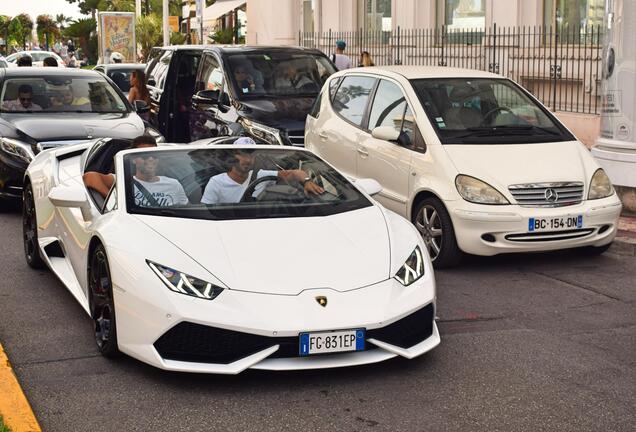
x=386 y=133
x=370 y=186
x=141 y=107
x=208 y=97
x=71 y=197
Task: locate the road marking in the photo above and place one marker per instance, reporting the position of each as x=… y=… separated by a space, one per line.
x=14 y=407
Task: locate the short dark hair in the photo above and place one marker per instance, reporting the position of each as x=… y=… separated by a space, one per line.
x=25 y=88
x=143 y=139
x=50 y=61
x=25 y=60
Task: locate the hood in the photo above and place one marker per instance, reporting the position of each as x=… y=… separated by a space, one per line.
x=72 y=126
x=286 y=255
x=288 y=113
x=504 y=165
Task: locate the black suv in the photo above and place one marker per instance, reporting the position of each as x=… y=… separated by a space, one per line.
x=41 y=108
x=205 y=91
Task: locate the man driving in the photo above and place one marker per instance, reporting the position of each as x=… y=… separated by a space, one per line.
x=230 y=186
x=24 y=102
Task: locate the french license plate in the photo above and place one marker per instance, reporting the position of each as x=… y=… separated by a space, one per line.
x=331 y=342
x=555 y=223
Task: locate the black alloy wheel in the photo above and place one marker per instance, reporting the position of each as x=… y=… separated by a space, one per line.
x=436 y=228
x=30 y=230
x=102 y=304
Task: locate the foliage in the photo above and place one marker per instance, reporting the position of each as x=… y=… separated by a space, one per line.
x=177 y=38
x=148 y=30
x=47 y=29
x=154 y=6
x=3 y=427
x=82 y=29
x=61 y=20
x=20 y=29
x=223 y=36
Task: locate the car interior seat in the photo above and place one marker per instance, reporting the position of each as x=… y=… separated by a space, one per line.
x=460 y=116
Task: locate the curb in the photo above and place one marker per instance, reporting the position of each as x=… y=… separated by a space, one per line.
x=14 y=407
x=624 y=245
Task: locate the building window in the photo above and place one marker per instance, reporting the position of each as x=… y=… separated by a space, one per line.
x=573 y=13
x=308 y=7
x=461 y=14
x=375 y=15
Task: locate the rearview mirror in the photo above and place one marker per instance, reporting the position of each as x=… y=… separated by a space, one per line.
x=386 y=133
x=141 y=107
x=71 y=197
x=368 y=185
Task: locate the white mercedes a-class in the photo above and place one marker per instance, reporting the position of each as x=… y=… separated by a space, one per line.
x=223 y=258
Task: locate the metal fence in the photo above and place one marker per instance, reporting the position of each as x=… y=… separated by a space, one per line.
x=561 y=66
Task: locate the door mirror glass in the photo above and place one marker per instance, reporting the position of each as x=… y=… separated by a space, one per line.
x=370 y=186
x=386 y=133
x=207 y=97
x=141 y=107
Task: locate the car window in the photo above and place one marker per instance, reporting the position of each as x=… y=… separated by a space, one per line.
x=211 y=74
x=389 y=107
x=333 y=86
x=315 y=108
x=350 y=101
x=111 y=200
x=160 y=70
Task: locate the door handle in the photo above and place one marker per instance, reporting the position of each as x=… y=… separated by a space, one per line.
x=323 y=135
x=363 y=152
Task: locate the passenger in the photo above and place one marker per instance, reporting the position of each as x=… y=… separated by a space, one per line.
x=152 y=190
x=295 y=80
x=49 y=61
x=71 y=100
x=103 y=182
x=24 y=102
x=25 y=60
x=244 y=80
x=230 y=186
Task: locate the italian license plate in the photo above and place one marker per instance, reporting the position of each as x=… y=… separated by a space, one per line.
x=331 y=342
x=561 y=223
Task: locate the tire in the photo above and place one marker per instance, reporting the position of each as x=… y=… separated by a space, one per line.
x=102 y=304
x=436 y=228
x=30 y=230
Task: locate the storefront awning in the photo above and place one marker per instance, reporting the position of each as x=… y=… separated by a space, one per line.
x=220 y=8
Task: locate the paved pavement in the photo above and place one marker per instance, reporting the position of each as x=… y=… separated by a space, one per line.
x=532 y=342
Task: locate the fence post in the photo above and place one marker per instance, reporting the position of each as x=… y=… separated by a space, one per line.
x=442 y=62
x=557 y=67
x=329 y=44
x=493 y=66
x=398 y=60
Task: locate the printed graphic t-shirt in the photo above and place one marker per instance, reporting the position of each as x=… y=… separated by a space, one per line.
x=222 y=189
x=167 y=192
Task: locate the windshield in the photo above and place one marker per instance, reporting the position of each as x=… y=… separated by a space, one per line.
x=121 y=77
x=278 y=74
x=60 y=94
x=235 y=183
x=485 y=111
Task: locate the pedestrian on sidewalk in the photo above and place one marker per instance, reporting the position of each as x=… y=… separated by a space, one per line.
x=365 y=59
x=340 y=59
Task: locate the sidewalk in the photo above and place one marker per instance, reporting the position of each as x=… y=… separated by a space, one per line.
x=625 y=242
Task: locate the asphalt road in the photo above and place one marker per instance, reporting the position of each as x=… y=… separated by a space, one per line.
x=529 y=343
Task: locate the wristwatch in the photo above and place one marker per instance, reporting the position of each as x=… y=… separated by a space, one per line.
x=305 y=180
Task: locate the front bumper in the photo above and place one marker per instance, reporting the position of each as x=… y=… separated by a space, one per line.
x=490 y=230
x=241 y=330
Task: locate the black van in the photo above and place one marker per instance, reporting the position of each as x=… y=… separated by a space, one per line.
x=205 y=91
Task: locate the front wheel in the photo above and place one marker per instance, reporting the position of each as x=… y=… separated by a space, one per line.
x=436 y=228
x=30 y=230
x=102 y=303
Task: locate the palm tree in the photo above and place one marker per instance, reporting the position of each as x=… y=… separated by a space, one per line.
x=81 y=29
x=61 y=20
x=117 y=5
x=46 y=28
x=4 y=31
x=20 y=29
x=148 y=30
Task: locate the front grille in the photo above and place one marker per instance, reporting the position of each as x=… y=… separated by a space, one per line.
x=548 y=236
x=198 y=343
x=547 y=194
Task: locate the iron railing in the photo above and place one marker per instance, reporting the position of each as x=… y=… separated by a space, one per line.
x=561 y=66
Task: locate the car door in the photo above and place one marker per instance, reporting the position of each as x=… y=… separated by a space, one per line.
x=205 y=115
x=386 y=161
x=337 y=133
x=160 y=107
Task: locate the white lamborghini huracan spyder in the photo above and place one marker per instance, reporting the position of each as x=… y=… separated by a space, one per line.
x=187 y=269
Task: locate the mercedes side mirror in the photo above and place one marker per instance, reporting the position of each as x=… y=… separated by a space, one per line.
x=385 y=133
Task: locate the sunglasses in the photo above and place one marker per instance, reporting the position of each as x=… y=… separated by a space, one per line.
x=26 y=99
x=145 y=157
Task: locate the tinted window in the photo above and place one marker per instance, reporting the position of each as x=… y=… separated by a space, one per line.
x=211 y=77
x=351 y=98
x=160 y=70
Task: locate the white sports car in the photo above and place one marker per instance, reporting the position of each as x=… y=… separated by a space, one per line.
x=273 y=272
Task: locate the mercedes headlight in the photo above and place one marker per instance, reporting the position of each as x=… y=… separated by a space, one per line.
x=478 y=192
x=413 y=268
x=185 y=284
x=268 y=134
x=17 y=148
x=600 y=186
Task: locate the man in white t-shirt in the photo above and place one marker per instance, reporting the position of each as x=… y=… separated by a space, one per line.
x=230 y=186
x=340 y=59
x=151 y=190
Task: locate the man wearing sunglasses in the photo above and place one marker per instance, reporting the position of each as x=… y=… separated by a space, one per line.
x=24 y=102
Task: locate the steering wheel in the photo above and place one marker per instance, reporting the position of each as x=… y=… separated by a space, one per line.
x=493 y=112
x=247 y=195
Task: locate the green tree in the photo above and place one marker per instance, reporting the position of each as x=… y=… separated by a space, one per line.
x=47 y=29
x=148 y=30
x=61 y=20
x=20 y=29
x=4 y=31
x=82 y=29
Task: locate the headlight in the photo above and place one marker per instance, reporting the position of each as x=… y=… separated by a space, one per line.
x=600 y=186
x=268 y=134
x=17 y=148
x=413 y=268
x=185 y=284
x=479 y=192
x=155 y=134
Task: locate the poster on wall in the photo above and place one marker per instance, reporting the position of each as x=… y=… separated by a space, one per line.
x=117 y=35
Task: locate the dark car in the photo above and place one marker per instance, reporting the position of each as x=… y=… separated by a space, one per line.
x=204 y=91
x=51 y=107
x=120 y=73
